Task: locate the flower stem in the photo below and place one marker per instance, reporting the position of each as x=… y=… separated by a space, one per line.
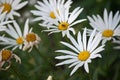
x=49 y=61
x=15 y=71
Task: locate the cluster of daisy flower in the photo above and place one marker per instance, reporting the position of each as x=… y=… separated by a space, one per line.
x=56 y=17
x=12 y=37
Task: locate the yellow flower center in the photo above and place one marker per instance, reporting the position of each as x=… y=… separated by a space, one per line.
x=7 y=7
x=20 y=40
x=52 y=15
x=84 y=55
x=30 y=37
x=6 y=54
x=63 y=26
x=107 y=33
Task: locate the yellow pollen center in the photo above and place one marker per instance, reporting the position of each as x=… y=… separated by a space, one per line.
x=20 y=40
x=7 y=7
x=6 y=54
x=63 y=26
x=84 y=55
x=107 y=33
x=52 y=15
x=30 y=37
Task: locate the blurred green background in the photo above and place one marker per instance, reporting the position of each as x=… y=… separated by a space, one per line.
x=40 y=63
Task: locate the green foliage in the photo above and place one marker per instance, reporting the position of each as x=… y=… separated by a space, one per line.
x=40 y=63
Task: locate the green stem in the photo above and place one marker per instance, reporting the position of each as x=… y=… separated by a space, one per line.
x=49 y=61
x=15 y=71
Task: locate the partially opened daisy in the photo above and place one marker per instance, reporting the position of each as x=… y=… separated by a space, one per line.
x=108 y=26
x=3 y=22
x=82 y=51
x=11 y=7
x=66 y=20
x=30 y=38
x=5 y=57
x=46 y=8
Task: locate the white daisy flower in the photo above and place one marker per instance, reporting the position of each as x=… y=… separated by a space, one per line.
x=82 y=51
x=65 y=21
x=11 y=7
x=108 y=26
x=16 y=37
x=46 y=9
x=24 y=41
x=117 y=42
x=3 y=22
x=6 y=56
x=31 y=39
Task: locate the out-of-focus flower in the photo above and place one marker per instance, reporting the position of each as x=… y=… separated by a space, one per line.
x=108 y=26
x=65 y=22
x=5 y=57
x=3 y=22
x=11 y=7
x=32 y=2
x=46 y=9
x=16 y=37
x=83 y=50
x=49 y=78
x=31 y=39
x=25 y=15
